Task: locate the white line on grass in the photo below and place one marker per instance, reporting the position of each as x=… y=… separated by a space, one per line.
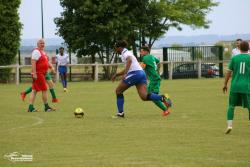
x=38 y=122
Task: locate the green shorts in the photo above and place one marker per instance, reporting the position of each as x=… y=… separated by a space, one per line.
x=48 y=76
x=154 y=86
x=239 y=99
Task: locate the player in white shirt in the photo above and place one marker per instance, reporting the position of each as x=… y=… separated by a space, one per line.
x=62 y=60
x=236 y=50
x=132 y=74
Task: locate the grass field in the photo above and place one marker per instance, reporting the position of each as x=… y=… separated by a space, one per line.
x=191 y=136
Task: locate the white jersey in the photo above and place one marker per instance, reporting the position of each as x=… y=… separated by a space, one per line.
x=235 y=52
x=135 y=66
x=62 y=60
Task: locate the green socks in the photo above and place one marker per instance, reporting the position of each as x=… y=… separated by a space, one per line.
x=27 y=91
x=160 y=105
x=230 y=113
x=31 y=107
x=53 y=94
x=46 y=106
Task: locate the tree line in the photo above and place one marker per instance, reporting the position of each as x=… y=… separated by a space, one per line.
x=91 y=27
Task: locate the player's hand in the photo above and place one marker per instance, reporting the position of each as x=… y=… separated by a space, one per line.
x=124 y=77
x=143 y=65
x=113 y=77
x=225 y=89
x=34 y=76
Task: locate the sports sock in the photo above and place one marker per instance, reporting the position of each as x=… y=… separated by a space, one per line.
x=230 y=113
x=46 y=106
x=63 y=83
x=120 y=102
x=27 y=91
x=52 y=92
x=154 y=97
x=229 y=123
x=160 y=105
x=65 y=80
x=31 y=107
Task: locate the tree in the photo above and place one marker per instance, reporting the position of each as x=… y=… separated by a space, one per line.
x=91 y=27
x=10 y=38
x=161 y=15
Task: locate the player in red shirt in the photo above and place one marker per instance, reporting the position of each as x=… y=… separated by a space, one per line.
x=40 y=65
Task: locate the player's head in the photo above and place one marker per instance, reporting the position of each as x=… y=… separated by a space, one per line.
x=61 y=50
x=144 y=50
x=120 y=45
x=41 y=43
x=238 y=41
x=244 y=46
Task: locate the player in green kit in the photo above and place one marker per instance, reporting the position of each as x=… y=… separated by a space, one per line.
x=239 y=68
x=150 y=66
x=51 y=89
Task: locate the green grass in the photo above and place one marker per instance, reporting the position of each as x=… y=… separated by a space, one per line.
x=191 y=136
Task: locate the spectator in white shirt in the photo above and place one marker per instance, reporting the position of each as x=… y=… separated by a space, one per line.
x=236 y=50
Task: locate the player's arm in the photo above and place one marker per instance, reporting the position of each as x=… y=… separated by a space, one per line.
x=33 y=68
x=227 y=77
x=125 y=70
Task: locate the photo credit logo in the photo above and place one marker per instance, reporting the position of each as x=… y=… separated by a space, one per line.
x=18 y=157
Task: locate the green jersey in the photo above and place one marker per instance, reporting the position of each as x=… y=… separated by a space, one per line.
x=240 y=66
x=151 y=67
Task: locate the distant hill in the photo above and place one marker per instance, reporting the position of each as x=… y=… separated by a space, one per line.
x=54 y=43
x=197 y=40
x=48 y=41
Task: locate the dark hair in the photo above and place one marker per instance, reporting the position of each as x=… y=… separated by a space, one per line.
x=121 y=43
x=146 y=48
x=238 y=39
x=61 y=48
x=244 y=46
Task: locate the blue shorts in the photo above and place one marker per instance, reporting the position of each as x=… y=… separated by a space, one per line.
x=135 y=78
x=62 y=69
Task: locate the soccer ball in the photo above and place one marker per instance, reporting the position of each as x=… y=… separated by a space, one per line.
x=78 y=112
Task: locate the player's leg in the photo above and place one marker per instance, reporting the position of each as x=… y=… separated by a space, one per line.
x=65 y=78
x=249 y=114
x=145 y=96
x=27 y=91
x=233 y=100
x=248 y=104
x=120 y=98
x=47 y=108
x=61 y=73
x=32 y=100
x=230 y=117
x=51 y=88
x=154 y=86
x=139 y=79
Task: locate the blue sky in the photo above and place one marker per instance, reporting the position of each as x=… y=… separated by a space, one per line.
x=230 y=17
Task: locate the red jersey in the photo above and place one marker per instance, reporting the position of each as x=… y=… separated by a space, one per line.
x=42 y=64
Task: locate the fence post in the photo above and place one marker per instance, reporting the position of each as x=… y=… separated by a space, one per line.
x=57 y=74
x=199 y=68
x=165 y=66
x=221 y=61
x=17 y=74
x=96 y=71
x=171 y=70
